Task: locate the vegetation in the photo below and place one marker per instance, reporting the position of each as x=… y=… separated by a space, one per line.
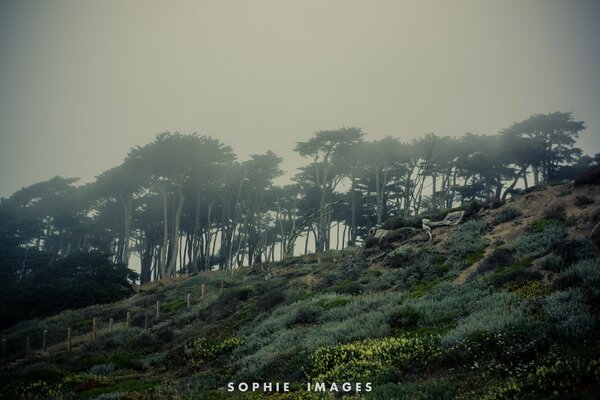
x=484 y=309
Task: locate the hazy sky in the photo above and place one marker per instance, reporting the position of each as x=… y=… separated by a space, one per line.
x=83 y=81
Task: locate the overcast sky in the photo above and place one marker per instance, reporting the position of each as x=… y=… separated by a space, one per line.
x=83 y=81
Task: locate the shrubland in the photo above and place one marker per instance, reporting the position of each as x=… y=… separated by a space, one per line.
x=505 y=305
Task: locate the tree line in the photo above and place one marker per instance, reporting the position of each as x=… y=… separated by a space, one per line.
x=183 y=203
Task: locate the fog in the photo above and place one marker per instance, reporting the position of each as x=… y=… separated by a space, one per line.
x=81 y=82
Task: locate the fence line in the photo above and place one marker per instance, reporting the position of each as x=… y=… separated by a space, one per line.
x=15 y=352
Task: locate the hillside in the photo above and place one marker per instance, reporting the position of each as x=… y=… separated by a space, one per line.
x=504 y=305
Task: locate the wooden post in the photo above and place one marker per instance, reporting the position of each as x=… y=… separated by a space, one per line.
x=94 y=328
x=110 y=324
x=189 y=300
x=146 y=321
x=128 y=320
x=44 y=340
x=28 y=346
x=69 y=339
x=157 y=309
x=202 y=292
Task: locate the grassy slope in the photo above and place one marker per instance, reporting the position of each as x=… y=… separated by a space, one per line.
x=502 y=306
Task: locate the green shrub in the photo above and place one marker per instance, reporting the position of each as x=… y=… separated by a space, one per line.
x=500 y=257
x=555 y=381
x=41 y=371
x=347 y=271
x=400 y=255
x=445 y=302
x=574 y=249
x=347 y=287
x=328 y=303
x=585 y=272
x=102 y=369
x=174 y=305
x=553 y=262
x=305 y=314
x=465 y=241
x=568 y=314
x=271 y=298
x=198 y=352
x=516 y=273
x=513 y=352
x=538 y=240
x=556 y=211
x=508 y=213
x=423 y=268
x=498 y=312
x=369 y=360
x=532 y=288
x=153 y=360
x=270 y=335
x=405 y=316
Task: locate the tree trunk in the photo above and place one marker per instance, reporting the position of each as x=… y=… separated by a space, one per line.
x=175 y=233
x=514 y=182
x=126 y=230
x=165 y=238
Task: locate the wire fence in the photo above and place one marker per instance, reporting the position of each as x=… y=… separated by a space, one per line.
x=39 y=343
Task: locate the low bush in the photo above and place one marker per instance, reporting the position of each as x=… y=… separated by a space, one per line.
x=197 y=353
x=558 y=380
x=342 y=318
x=585 y=272
x=556 y=211
x=498 y=312
x=305 y=314
x=508 y=213
x=538 y=240
x=532 y=288
x=512 y=352
x=351 y=271
x=400 y=256
x=369 y=360
x=102 y=369
x=553 y=262
x=445 y=302
x=500 y=257
x=568 y=313
x=347 y=287
x=572 y=250
x=466 y=240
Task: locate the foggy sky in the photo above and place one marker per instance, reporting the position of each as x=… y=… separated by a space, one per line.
x=83 y=81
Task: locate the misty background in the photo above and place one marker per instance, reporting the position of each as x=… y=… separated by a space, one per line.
x=81 y=82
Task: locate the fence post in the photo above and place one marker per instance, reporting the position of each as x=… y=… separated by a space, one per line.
x=128 y=319
x=202 y=292
x=157 y=309
x=69 y=339
x=44 y=345
x=189 y=302
x=94 y=328
x=28 y=347
x=110 y=324
x=146 y=321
